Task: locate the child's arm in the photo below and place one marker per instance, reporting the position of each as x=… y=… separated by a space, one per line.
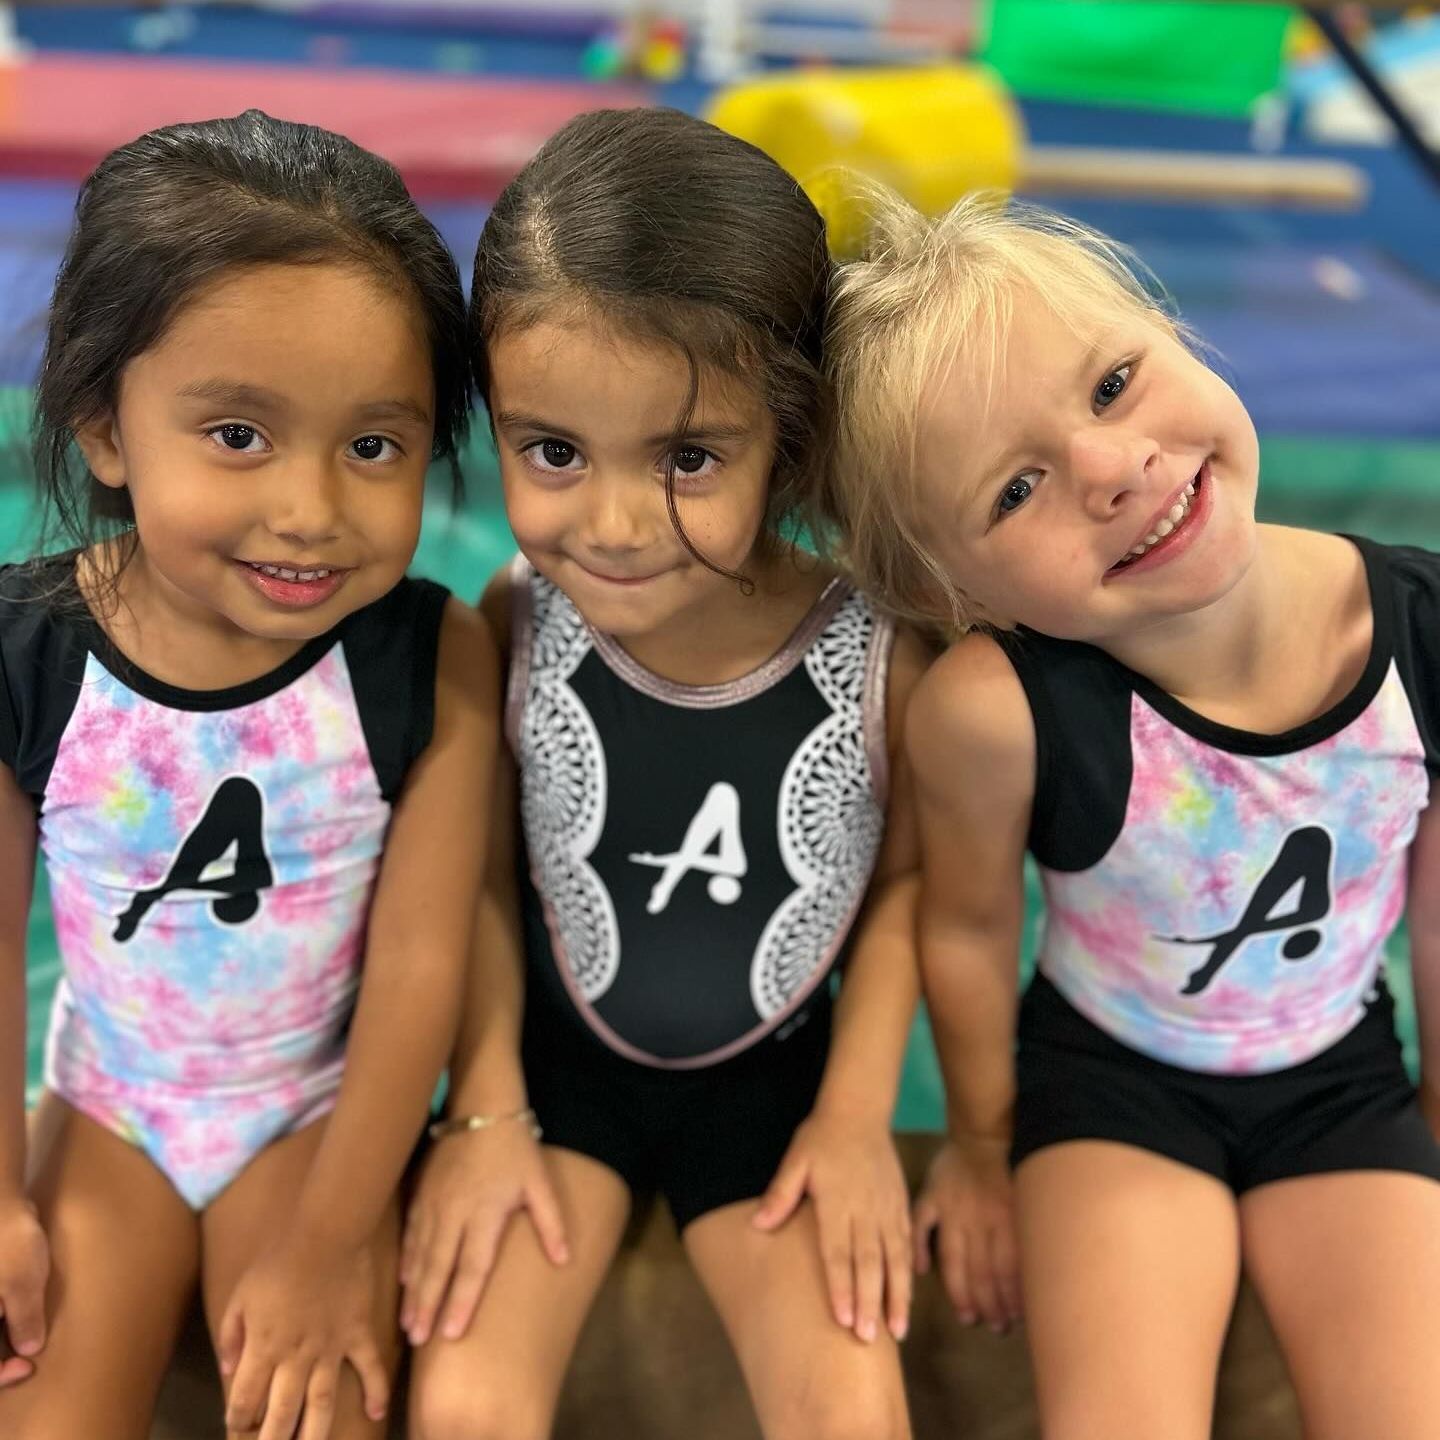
x=1423 y=922
x=299 y=1299
x=972 y=747
x=471 y=1184
x=24 y=1254
x=843 y=1155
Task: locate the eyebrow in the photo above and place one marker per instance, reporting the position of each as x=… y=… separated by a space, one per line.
x=241 y=396
x=523 y=420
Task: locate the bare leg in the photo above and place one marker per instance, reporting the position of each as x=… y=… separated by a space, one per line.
x=502 y=1378
x=810 y=1379
x=1348 y=1267
x=1130 y=1263
x=247 y=1216
x=124 y=1251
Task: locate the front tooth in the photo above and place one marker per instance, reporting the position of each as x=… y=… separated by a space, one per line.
x=288 y=574
x=1164 y=528
x=270 y=569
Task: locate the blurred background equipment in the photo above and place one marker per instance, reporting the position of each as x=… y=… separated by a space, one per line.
x=938 y=132
x=1326 y=320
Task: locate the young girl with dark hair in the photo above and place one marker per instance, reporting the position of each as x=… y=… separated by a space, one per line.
x=703 y=723
x=253 y=754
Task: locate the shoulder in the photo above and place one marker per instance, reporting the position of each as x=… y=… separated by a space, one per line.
x=497 y=603
x=41 y=586
x=468 y=653
x=969 y=709
x=911 y=656
x=1413 y=573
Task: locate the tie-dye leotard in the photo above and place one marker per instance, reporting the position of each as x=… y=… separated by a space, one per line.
x=1218 y=899
x=1209 y=985
x=211 y=858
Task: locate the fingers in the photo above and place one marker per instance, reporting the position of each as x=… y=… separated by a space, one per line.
x=1005 y=1257
x=413 y=1244
x=14 y=1369
x=984 y=1290
x=283 y=1406
x=22 y=1303
x=783 y=1197
x=954 y=1272
x=427 y=1289
x=836 y=1255
x=250 y=1390
x=548 y=1219
x=899 y=1282
x=320 y=1402
x=869 y=1269
x=230 y=1342
x=478 y=1249
x=374 y=1378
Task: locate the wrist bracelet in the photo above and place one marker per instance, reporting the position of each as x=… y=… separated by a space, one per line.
x=463 y=1124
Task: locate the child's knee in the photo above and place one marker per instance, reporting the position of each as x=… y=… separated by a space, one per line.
x=843 y=1412
x=450 y=1403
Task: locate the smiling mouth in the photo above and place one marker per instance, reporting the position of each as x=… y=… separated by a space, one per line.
x=295 y=577
x=1170 y=524
x=621 y=579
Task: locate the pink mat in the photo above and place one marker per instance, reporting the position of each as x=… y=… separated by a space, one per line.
x=452 y=137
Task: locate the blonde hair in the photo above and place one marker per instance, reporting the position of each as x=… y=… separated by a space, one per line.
x=924 y=294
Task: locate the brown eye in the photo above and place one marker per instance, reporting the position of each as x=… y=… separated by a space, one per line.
x=558 y=453
x=690 y=459
x=369 y=447
x=237 y=437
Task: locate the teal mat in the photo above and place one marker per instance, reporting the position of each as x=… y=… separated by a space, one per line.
x=1385 y=490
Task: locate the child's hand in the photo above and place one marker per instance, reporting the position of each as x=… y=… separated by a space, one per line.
x=470 y=1187
x=300 y=1311
x=853 y=1177
x=966 y=1202
x=24 y=1269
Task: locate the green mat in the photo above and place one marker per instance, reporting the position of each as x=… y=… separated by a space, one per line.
x=1215 y=59
x=1373 y=487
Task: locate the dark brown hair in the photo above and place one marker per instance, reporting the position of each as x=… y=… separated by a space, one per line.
x=173 y=211
x=677 y=233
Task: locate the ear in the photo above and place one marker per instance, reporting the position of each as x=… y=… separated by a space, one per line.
x=99 y=442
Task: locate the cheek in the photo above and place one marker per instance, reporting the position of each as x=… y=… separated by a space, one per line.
x=391 y=514
x=173 y=512
x=725 y=526
x=536 y=517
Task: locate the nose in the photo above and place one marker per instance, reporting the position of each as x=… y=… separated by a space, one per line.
x=1111 y=468
x=622 y=512
x=307 y=504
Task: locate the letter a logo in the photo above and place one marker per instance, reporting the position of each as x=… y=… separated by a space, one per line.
x=711 y=845
x=1293 y=894
x=229 y=836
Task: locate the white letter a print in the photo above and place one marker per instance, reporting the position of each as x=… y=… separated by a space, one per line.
x=712 y=845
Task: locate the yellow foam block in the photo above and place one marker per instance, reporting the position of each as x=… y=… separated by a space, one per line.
x=934 y=133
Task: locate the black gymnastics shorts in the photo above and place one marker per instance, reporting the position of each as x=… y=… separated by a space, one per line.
x=701 y=1138
x=1352 y=1107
